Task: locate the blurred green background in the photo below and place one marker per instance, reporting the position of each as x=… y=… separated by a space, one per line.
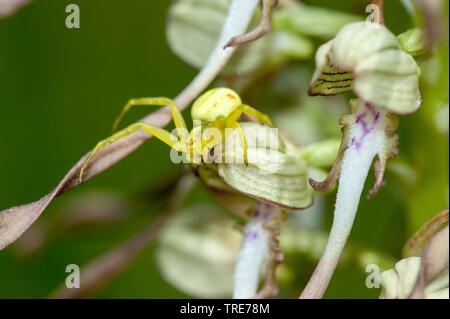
x=61 y=89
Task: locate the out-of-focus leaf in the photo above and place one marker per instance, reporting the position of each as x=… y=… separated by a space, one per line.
x=428 y=146
x=379 y=72
x=312 y=21
x=276 y=174
x=413 y=42
x=321 y=154
x=283 y=45
x=236 y=204
x=194 y=25
x=441 y=118
x=311 y=118
x=197 y=250
x=270 y=51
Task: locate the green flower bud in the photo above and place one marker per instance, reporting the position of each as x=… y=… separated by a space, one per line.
x=321 y=154
x=413 y=42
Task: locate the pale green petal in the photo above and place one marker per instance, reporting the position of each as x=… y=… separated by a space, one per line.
x=359 y=40
x=389 y=284
x=275 y=174
x=288 y=191
x=399 y=282
x=396 y=93
x=391 y=61
x=197 y=250
x=193 y=27
x=389 y=79
x=365 y=57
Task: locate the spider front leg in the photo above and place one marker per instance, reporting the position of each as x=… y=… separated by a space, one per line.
x=157 y=132
x=154 y=101
x=231 y=122
x=260 y=117
x=238 y=126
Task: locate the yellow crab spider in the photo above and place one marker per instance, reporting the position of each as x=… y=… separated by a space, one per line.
x=218 y=108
